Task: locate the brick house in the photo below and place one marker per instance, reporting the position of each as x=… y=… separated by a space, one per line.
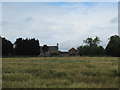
x=72 y=52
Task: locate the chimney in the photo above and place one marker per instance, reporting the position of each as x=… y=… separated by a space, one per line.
x=57 y=44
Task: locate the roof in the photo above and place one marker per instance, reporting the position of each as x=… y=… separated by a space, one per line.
x=72 y=49
x=51 y=48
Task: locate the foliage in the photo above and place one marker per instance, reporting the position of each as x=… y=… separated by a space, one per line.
x=45 y=49
x=27 y=47
x=30 y=47
x=113 y=47
x=91 y=47
x=92 y=42
x=7 y=47
x=53 y=54
x=72 y=54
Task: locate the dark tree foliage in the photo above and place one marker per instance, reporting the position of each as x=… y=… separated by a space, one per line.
x=45 y=49
x=0 y=46
x=7 y=47
x=29 y=47
x=113 y=47
x=92 y=42
x=54 y=54
x=91 y=47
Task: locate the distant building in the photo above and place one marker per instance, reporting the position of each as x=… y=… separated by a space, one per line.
x=72 y=52
x=55 y=49
x=51 y=49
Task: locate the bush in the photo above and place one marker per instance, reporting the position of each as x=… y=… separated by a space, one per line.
x=52 y=54
x=90 y=50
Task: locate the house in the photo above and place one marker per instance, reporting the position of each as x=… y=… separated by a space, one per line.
x=72 y=52
x=54 y=50
x=51 y=49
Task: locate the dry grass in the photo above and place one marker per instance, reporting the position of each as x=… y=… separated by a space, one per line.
x=60 y=72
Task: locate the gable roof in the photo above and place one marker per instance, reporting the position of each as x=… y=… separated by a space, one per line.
x=72 y=49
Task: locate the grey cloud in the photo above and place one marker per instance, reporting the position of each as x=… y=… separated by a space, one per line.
x=29 y=19
x=114 y=20
x=5 y=23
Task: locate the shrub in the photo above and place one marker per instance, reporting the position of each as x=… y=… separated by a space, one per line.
x=52 y=54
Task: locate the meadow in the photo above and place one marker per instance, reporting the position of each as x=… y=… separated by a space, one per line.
x=60 y=72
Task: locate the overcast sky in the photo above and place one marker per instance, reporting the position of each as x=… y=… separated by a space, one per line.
x=66 y=23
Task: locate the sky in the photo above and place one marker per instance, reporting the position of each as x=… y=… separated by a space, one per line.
x=66 y=23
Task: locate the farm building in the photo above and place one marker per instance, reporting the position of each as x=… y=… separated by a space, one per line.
x=51 y=49
x=54 y=50
x=72 y=52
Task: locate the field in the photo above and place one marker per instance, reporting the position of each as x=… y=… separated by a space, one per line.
x=60 y=72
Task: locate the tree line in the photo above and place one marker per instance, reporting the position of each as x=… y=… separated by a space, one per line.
x=91 y=47
x=21 y=47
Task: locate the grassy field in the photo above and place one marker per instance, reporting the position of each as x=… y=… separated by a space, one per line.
x=60 y=72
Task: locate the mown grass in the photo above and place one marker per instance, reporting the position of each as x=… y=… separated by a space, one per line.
x=60 y=72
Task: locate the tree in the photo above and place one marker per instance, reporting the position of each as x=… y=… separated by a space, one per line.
x=54 y=54
x=45 y=49
x=96 y=41
x=18 y=46
x=27 y=47
x=91 y=42
x=113 y=46
x=0 y=46
x=91 y=47
x=7 y=47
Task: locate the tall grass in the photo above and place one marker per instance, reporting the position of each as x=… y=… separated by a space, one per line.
x=60 y=72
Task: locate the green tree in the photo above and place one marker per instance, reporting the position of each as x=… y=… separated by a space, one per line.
x=91 y=47
x=29 y=47
x=113 y=46
x=7 y=47
x=45 y=49
x=18 y=46
x=91 y=42
x=0 y=46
